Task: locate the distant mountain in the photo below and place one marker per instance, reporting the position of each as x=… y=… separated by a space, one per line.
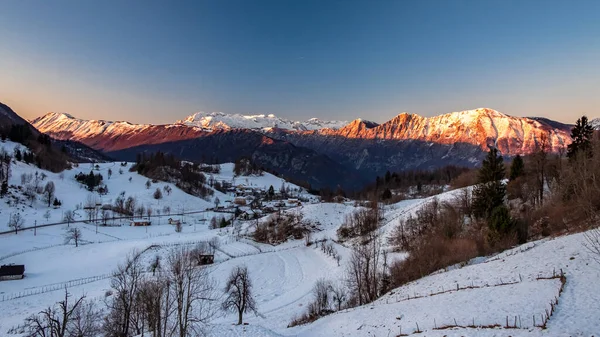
x=408 y=141
x=481 y=127
x=111 y=136
x=219 y=120
x=70 y=150
x=595 y=123
x=291 y=161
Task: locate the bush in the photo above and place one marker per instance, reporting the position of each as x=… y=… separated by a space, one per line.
x=157 y=194
x=359 y=223
x=433 y=253
x=278 y=228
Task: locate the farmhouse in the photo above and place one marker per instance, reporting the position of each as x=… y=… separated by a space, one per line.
x=137 y=223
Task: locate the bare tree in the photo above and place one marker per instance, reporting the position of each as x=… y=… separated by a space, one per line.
x=90 y=206
x=105 y=216
x=321 y=292
x=30 y=193
x=85 y=320
x=130 y=205
x=16 y=222
x=140 y=211
x=193 y=292
x=68 y=217
x=238 y=292
x=155 y=265
x=49 y=191
x=592 y=243
x=55 y=321
x=338 y=295
x=125 y=281
x=149 y=212
x=47 y=215
x=73 y=234
x=363 y=270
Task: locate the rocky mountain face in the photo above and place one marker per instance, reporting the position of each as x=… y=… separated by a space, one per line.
x=408 y=141
x=480 y=127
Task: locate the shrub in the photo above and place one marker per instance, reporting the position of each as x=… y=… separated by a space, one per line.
x=278 y=228
x=359 y=223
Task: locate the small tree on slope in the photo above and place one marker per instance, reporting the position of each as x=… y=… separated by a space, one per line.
x=239 y=293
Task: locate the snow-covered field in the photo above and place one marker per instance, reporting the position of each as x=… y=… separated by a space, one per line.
x=513 y=286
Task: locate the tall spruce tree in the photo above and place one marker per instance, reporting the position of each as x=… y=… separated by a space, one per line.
x=490 y=190
x=517 y=168
x=582 y=138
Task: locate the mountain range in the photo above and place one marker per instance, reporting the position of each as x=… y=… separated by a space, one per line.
x=322 y=153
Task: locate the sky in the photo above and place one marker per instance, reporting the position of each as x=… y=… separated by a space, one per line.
x=159 y=61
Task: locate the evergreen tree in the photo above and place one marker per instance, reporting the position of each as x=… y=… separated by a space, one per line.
x=517 y=168
x=500 y=220
x=4 y=189
x=582 y=138
x=490 y=190
x=271 y=192
x=387 y=194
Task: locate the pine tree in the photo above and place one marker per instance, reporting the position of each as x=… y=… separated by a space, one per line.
x=387 y=194
x=490 y=190
x=271 y=192
x=582 y=138
x=517 y=168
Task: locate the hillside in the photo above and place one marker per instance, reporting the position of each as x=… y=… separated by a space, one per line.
x=490 y=289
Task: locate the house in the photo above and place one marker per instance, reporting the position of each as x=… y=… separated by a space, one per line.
x=174 y=222
x=137 y=223
x=239 y=201
x=292 y=202
x=12 y=272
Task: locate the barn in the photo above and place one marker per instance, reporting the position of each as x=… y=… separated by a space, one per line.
x=10 y=272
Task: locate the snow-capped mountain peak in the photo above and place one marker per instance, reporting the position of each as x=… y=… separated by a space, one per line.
x=595 y=123
x=220 y=120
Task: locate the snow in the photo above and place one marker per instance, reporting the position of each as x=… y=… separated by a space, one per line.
x=484 y=292
x=576 y=313
x=84 y=129
x=220 y=120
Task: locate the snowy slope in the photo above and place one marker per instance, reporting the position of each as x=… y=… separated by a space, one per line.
x=489 y=302
x=489 y=289
x=220 y=120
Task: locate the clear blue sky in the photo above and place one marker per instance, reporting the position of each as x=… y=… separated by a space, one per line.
x=158 y=61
